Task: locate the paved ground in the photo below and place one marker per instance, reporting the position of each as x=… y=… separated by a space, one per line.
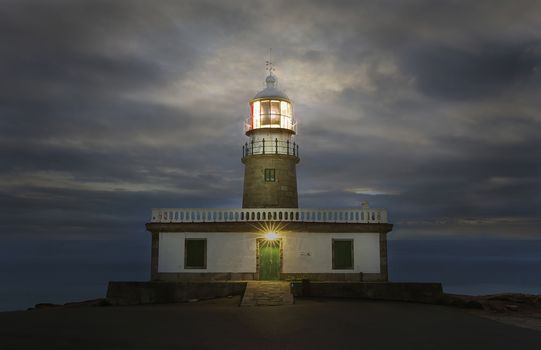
x=531 y=320
x=221 y=324
x=266 y=293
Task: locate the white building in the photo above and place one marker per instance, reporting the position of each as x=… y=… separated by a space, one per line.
x=270 y=238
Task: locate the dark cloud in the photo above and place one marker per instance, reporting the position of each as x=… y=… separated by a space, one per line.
x=459 y=74
x=108 y=109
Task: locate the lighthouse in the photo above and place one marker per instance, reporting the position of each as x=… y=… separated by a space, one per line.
x=270 y=156
x=270 y=237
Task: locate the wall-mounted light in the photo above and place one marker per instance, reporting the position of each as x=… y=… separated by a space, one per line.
x=271 y=236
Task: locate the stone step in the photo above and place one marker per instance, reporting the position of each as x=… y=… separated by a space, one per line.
x=267 y=293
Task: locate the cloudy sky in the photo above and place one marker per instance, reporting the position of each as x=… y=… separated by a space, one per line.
x=431 y=109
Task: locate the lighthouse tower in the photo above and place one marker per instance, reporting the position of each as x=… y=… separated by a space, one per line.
x=270 y=155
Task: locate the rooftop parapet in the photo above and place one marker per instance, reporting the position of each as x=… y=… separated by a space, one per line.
x=342 y=215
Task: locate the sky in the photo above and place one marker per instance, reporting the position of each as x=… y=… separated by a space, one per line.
x=430 y=109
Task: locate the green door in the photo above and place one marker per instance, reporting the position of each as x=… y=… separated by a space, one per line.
x=269 y=260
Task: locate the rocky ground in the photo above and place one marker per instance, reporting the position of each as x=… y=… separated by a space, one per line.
x=522 y=310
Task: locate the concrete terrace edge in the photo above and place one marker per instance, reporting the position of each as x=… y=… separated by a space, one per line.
x=136 y=293
x=431 y=293
x=285 y=226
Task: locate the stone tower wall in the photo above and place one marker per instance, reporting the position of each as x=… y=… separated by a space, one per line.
x=282 y=193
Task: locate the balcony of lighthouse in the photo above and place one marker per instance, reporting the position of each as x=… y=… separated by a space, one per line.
x=364 y=215
x=270 y=114
x=270 y=147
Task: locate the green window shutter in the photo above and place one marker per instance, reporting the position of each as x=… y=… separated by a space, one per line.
x=342 y=254
x=195 y=254
x=270 y=175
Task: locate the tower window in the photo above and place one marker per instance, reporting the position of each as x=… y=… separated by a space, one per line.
x=270 y=175
x=195 y=253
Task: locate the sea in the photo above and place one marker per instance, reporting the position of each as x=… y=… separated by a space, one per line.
x=44 y=271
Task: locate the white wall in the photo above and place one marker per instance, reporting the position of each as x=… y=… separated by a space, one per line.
x=309 y=252
x=304 y=252
x=226 y=251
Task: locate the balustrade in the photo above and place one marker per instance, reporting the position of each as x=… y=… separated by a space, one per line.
x=345 y=215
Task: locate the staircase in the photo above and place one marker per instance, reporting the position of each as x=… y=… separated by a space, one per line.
x=267 y=293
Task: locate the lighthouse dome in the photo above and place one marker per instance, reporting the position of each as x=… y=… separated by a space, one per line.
x=270 y=90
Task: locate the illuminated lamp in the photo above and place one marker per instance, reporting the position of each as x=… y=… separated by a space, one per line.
x=271 y=236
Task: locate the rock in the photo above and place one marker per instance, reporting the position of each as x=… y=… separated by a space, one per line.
x=104 y=302
x=494 y=307
x=511 y=307
x=45 y=306
x=473 y=304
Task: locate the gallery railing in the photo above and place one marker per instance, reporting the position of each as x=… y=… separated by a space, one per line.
x=345 y=215
x=270 y=147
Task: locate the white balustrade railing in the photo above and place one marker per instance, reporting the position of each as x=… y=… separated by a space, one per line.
x=342 y=215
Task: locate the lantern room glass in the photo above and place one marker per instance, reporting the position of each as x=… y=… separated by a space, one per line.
x=271 y=114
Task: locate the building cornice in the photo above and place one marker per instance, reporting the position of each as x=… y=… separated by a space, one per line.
x=312 y=227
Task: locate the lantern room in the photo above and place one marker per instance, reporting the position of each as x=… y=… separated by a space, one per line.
x=270 y=108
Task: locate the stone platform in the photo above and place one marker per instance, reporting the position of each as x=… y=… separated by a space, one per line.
x=134 y=293
x=269 y=292
x=431 y=293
